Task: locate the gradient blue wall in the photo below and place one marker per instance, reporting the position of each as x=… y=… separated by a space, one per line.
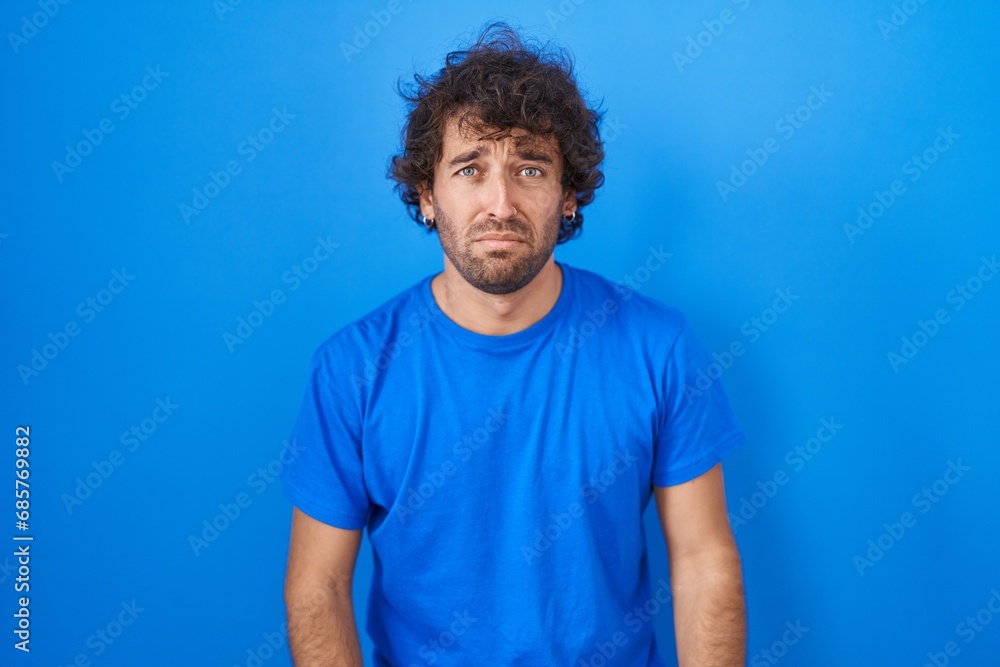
x=742 y=137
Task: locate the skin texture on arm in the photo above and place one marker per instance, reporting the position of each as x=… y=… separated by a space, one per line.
x=321 y=626
x=705 y=572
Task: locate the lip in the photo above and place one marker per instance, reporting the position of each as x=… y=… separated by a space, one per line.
x=499 y=244
x=499 y=236
x=499 y=241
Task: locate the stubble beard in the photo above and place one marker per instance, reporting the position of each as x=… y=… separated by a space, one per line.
x=497 y=271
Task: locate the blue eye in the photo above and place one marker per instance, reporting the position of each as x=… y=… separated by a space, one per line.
x=537 y=174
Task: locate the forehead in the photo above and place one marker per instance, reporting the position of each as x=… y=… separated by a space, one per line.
x=515 y=140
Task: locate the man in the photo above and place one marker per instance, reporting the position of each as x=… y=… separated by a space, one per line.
x=501 y=426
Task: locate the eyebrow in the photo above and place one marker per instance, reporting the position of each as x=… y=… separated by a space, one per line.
x=525 y=154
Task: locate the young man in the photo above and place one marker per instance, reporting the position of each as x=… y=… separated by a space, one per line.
x=501 y=426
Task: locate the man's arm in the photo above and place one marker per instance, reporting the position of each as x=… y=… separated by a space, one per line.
x=705 y=572
x=321 y=628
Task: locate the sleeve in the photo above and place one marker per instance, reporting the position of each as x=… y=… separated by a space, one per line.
x=324 y=475
x=697 y=425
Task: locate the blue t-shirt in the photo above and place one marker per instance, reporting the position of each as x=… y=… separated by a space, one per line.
x=503 y=479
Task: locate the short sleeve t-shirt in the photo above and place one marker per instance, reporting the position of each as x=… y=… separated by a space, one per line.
x=503 y=479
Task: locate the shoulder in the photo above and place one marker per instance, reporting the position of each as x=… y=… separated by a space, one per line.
x=365 y=337
x=638 y=313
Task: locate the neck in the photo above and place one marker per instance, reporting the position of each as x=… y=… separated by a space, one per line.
x=496 y=314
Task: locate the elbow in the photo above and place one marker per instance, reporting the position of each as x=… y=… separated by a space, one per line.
x=718 y=562
x=315 y=594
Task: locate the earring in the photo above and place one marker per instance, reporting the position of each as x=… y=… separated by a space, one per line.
x=565 y=219
x=428 y=222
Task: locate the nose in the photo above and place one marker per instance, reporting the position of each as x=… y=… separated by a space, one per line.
x=499 y=202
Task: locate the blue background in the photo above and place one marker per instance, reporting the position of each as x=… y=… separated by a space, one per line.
x=674 y=129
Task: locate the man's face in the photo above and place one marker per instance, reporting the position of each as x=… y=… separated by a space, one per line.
x=478 y=185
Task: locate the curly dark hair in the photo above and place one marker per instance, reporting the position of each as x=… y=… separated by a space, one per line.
x=500 y=83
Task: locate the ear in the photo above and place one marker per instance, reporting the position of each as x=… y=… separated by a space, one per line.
x=426 y=200
x=569 y=203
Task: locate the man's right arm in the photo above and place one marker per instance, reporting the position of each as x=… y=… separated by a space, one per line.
x=321 y=627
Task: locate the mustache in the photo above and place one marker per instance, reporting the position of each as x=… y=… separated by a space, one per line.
x=514 y=227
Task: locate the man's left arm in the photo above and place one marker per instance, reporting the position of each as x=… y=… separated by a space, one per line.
x=705 y=572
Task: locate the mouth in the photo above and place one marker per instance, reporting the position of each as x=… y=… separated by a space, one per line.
x=498 y=244
x=500 y=241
